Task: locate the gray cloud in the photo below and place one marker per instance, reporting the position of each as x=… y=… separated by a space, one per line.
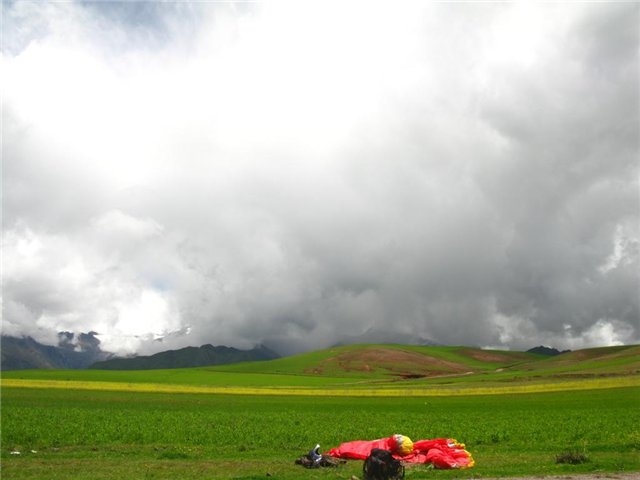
x=266 y=172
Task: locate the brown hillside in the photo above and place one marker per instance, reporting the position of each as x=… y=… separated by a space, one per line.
x=389 y=360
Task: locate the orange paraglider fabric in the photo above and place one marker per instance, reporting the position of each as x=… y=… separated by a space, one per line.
x=442 y=453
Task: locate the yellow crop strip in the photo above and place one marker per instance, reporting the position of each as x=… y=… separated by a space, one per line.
x=584 y=384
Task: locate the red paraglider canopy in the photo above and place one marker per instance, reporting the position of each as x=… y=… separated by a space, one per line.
x=442 y=453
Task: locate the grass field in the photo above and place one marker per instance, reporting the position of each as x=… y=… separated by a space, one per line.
x=152 y=425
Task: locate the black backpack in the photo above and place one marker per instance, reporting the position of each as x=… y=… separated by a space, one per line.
x=380 y=465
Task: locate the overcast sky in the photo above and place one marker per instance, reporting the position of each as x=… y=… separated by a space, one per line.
x=297 y=172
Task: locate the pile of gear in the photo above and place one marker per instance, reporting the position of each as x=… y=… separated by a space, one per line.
x=384 y=459
x=379 y=465
x=314 y=459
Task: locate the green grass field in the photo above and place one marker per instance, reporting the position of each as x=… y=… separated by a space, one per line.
x=80 y=429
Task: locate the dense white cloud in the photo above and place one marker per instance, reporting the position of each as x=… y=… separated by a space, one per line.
x=300 y=172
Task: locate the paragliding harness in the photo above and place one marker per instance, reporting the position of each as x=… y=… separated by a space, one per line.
x=380 y=465
x=314 y=459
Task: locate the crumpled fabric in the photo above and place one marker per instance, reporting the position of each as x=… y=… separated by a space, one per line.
x=444 y=453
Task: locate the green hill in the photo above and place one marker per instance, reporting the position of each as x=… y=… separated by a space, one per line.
x=603 y=361
x=438 y=364
x=383 y=367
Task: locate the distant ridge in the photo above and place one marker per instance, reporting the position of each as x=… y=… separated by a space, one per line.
x=27 y=353
x=542 y=350
x=188 y=357
x=83 y=351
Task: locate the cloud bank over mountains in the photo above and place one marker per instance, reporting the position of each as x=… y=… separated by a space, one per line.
x=296 y=173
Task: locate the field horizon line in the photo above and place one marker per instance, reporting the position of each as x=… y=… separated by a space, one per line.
x=427 y=391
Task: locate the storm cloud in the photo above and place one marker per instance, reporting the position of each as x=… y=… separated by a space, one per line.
x=295 y=173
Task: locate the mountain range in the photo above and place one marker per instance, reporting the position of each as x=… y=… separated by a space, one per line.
x=72 y=351
x=83 y=351
x=188 y=357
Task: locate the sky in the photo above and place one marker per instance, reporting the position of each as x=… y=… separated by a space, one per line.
x=297 y=173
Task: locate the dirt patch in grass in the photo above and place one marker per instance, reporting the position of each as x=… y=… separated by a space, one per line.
x=389 y=360
x=584 y=476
